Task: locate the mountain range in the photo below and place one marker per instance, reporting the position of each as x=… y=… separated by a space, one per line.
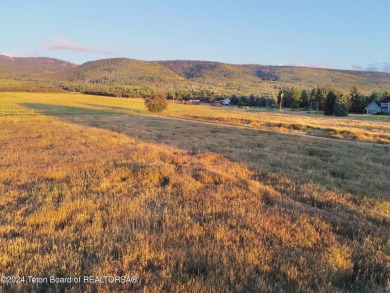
x=122 y=74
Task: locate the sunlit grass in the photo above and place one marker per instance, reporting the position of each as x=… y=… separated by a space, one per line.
x=365 y=128
x=90 y=187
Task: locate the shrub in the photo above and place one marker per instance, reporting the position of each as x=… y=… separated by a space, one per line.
x=381 y=113
x=295 y=105
x=156 y=103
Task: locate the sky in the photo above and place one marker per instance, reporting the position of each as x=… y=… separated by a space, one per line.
x=338 y=34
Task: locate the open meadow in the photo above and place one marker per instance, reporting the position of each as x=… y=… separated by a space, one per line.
x=197 y=199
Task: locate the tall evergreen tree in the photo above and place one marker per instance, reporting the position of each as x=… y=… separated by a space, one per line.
x=304 y=99
x=341 y=105
x=330 y=102
x=295 y=95
x=375 y=96
x=320 y=94
x=358 y=101
x=252 y=100
x=312 y=95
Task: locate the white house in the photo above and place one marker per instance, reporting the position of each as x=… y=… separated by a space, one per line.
x=385 y=104
x=226 y=102
x=375 y=106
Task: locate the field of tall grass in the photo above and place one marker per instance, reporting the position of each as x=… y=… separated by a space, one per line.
x=363 y=128
x=94 y=186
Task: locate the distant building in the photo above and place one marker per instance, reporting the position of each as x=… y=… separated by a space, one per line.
x=373 y=108
x=385 y=104
x=226 y=102
x=381 y=106
x=193 y=102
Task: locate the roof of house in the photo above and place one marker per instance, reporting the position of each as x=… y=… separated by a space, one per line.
x=374 y=102
x=385 y=100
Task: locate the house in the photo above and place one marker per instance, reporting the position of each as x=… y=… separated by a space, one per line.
x=193 y=102
x=226 y=102
x=385 y=104
x=375 y=106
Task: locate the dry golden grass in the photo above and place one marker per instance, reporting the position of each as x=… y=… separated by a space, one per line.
x=364 y=128
x=186 y=206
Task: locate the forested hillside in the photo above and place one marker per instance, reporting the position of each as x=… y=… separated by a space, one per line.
x=122 y=76
x=271 y=78
x=30 y=67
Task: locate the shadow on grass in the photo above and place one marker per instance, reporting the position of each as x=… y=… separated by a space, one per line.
x=289 y=156
x=56 y=110
x=115 y=108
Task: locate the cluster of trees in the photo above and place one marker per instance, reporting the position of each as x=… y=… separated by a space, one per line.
x=296 y=98
x=205 y=95
x=359 y=101
x=331 y=101
x=263 y=100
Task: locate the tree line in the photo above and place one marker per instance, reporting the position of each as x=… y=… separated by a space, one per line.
x=331 y=101
x=204 y=95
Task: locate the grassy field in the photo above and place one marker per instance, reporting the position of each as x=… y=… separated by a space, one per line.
x=364 y=128
x=95 y=186
x=356 y=127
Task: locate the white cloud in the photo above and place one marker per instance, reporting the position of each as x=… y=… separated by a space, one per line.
x=64 y=44
x=375 y=67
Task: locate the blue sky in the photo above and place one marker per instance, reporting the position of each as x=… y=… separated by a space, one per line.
x=336 y=34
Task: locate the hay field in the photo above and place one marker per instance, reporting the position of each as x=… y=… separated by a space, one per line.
x=93 y=186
